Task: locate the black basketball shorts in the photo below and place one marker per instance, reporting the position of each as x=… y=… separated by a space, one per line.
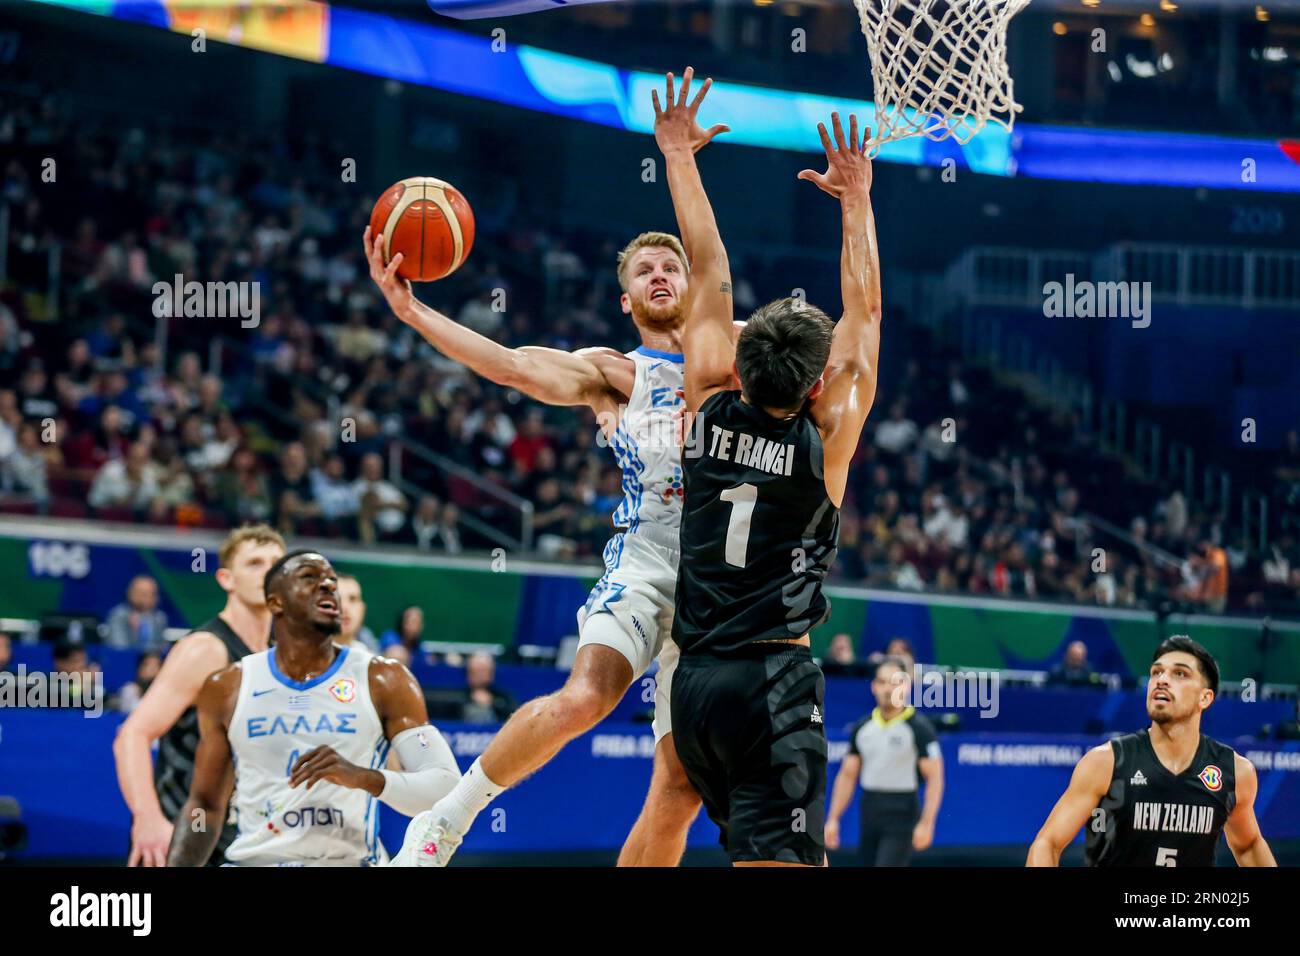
x=749 y=731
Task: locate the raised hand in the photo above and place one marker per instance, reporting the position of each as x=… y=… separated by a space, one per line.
x=847 y=167
x=396 y=290
x=676 y=127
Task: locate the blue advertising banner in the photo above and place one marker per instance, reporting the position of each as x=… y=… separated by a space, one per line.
x=999 y=788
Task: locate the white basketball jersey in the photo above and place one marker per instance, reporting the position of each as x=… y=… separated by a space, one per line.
x=276 y=721
x=647 y=444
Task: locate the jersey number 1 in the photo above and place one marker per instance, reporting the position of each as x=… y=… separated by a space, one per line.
x=742 y=499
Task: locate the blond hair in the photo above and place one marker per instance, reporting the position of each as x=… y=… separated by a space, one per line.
x=248 y=534
x=649 y=240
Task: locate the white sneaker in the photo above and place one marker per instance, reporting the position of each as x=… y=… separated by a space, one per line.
x=429 y=841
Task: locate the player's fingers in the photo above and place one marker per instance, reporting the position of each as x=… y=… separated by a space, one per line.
x=826 y=139
x=853 y=131
x=699 y=97
x=812 y=176
x=839 y=131
x=670 y=98
x=866 y=138
x=303 y=767
x=159 y=858
x=654 y=98
x=716 y=130
x=133 y=859
x=686 y=85
x=392 y=267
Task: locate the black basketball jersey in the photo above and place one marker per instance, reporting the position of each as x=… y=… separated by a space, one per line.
x=758 y=532
x=174 y=768
x=1154 y=818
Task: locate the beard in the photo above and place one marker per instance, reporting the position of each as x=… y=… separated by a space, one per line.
x=1166 y=716
x=330 y=628
x=657 y=317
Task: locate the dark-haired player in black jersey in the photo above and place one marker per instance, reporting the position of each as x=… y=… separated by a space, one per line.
x=764 y=471
x=155 y=792
x=1161 y=796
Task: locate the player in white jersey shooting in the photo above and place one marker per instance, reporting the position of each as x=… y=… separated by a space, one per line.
x=627 y=621
x=302 y=731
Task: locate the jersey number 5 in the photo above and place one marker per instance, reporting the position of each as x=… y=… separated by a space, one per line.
x=742 y=499
x=1165 y=856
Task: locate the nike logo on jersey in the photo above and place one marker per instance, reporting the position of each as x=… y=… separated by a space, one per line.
x=269 y=690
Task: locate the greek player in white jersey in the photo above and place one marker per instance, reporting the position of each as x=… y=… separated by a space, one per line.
x=301 y=731
x=627 y=621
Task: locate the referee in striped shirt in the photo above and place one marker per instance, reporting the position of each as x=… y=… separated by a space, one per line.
x=890 y=751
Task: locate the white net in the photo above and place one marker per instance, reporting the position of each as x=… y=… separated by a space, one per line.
x=939 y=66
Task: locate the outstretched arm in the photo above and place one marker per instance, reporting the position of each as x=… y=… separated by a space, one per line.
x=841 y=409
x=708 y=340
x=548 y=375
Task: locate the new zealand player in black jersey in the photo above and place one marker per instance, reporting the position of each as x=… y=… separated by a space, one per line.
x=1161 y=796
x=775 y=416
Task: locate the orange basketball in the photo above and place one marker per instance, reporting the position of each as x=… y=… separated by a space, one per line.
x=429 y=222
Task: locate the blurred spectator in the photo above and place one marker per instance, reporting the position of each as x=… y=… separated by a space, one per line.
x=408 y=633
x=71 y=662
x=6 y=653
x=23 y=470
x=337 y=497
x=137 y=623
x=1074 y=668
x=130 y=482
x=128 y=695
x=243 y=490
x=292 y=497
x=841 y=660
x=897 y=433
x=433 y=527
x=1210 y=567
x=383 y=506
x=353 y=610
x=485 y=702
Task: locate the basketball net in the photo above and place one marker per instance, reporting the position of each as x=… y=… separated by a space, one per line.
x=939 y=67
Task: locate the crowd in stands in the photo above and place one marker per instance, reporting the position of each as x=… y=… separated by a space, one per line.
x=960 y=485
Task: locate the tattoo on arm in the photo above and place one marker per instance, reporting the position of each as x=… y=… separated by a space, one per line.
x=725 y=288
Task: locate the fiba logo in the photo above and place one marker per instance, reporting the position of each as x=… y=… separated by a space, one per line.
x=1212 y=777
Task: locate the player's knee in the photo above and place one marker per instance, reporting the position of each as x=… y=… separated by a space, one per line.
x=580 y=705
x=673 y=787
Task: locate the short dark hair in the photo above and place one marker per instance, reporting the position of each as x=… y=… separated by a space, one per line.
x=782 y=351
x=1181 y=642
x=276 y=570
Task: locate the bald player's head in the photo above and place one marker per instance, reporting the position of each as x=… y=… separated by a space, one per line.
x=302 y=591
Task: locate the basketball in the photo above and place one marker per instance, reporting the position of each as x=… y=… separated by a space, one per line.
x=429 y=222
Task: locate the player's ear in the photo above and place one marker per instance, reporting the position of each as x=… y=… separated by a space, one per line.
x=626 y=302
x=817 y=388
x=225 y=579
